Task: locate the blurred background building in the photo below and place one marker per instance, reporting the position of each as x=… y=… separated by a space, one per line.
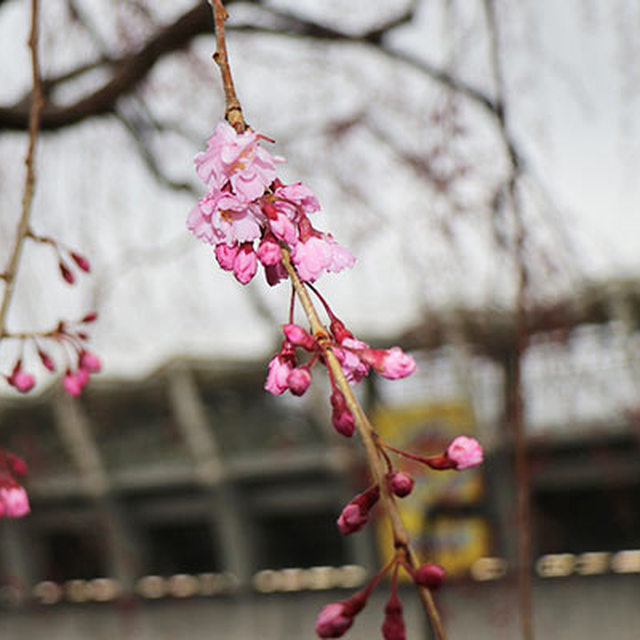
x=192 y=504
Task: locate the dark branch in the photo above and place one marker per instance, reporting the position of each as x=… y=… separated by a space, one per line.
x=129 y=72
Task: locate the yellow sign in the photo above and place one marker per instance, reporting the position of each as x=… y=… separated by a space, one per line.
x=453 y=541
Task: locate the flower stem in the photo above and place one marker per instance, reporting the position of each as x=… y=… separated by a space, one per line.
x=368 y=436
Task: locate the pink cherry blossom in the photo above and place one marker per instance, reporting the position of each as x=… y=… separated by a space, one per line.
x=341 y=258
x=311 y=258
x=246 y=264
x=299 y=195
x=332 y=621
x=237 y=158
x=278 y=376
x=465 y=452
x=15 y=501
x=354 y=368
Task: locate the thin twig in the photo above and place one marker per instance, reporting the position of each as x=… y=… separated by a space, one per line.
x=369 y=439
x=233 y=110
x=515 y=415
x=37 y=105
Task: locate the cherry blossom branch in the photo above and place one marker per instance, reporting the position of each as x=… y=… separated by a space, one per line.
x=37 y=104
x=370 y=440
x=233 y=110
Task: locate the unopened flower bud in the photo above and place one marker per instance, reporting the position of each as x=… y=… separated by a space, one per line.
x=429 y=575
x=22 y=381
x=393 y=627
x=90 y=362
x=299 y=337
x=246 y=264
x=81 y=261
x=400 y=483
x=73 y=383
x=46 y=360
x=355 y=515
x=66 y=273
x=16 y=464
x=226 y=255
x=299 y=380
x=465 y=453
x=268 y=251
x=336 y=618
x=342 y=418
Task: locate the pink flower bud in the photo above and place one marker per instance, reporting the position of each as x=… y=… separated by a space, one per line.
x=391 y=363
x=90 y=362
x=393 y=627
x=46 y=360
x=22 y=381
x=332 y=621
x=226 y=255
x=355 y=515
x=342 y=418
x=465 y=453
x=352 y=519
x=429 y=575
x=246 y=264
x=299 y=380
x=66 y=273
x=16 y=464
x=397 y=364
x=339 y=331
x=15 y=501
x=81 y=261
x=400 y=483
x=268 y=251
x=299 y=337
x=336 y=618
x=73 y=383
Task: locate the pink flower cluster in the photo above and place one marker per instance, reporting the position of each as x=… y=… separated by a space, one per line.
x=356 y=358
x=14 y=502
x=72 y=338
x=247 y=213
x=338 y=617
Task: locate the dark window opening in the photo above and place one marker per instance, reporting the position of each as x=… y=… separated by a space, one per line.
x=587 y=519
x=300 y=541
x=71 y=555
x=180 y=548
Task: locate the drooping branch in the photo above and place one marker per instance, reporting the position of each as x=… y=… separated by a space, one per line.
x=129 y=72
x=131 y=69
x=35 y=111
